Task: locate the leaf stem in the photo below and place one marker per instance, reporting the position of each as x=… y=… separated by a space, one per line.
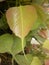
x=23 y=49
x=12 y=61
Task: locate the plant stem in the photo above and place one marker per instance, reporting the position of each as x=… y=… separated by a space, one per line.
x=12 y=61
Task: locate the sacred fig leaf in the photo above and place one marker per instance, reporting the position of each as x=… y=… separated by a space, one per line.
x=36 y=61
x=21 y=19
x=21 y=60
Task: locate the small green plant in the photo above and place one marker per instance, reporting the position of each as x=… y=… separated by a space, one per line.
x=26 y=20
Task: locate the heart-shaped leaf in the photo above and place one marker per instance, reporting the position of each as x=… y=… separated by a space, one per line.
x=21 y=19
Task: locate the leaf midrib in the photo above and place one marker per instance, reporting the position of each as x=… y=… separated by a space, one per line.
x=22 y=37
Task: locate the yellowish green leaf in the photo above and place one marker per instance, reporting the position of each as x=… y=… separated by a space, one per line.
x=40 y=12
x=21 y=19
x=46 y=44
x=36 y=61
x=6 y=42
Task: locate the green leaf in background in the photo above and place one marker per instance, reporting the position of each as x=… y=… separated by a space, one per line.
x=40 y=12
x=36 y=24
x=36 y=61
x=22 y=61
x=10 y=43
x=40 y=22
x=38 y=1
x=16 y=47
x=3 y=22
x=6 y=42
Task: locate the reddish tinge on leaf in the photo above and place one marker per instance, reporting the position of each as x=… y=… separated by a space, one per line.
x=21 y=19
